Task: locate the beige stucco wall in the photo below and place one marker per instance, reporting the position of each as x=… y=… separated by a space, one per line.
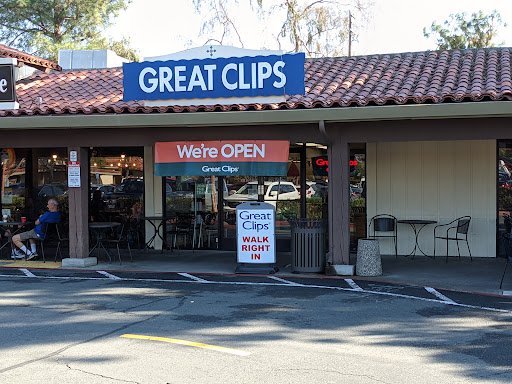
x=440 y=181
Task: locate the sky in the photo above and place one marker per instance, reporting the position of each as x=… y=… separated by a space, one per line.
x=159 y=27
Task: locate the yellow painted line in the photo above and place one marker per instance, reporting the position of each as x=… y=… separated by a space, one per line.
x=31 y=263
x=188 y=343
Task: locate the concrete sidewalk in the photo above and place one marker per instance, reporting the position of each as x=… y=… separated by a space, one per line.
x=481 y=275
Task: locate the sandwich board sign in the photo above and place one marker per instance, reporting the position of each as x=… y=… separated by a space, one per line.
x=256 y=237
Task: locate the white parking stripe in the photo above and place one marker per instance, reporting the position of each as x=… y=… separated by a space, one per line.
x=27 y=272
x=109 y=275
x=285 y=281
x=439 y=295
x=355 y=287
x=188 y=275
x=353 y=284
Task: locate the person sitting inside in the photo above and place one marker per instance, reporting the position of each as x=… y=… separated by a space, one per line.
x=97 y=207
x=52 y=216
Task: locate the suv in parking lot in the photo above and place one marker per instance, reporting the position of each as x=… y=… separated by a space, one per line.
x=249 y=192
x=128 y=189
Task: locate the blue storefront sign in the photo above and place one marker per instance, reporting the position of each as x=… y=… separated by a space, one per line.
x=271 y=75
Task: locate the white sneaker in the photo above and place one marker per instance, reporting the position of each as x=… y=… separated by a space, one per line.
x=17 y=254
x=31 y=255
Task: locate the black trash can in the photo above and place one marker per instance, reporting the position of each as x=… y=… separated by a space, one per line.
x=308 y=245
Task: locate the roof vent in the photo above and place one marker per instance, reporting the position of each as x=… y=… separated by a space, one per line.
x=89 y=59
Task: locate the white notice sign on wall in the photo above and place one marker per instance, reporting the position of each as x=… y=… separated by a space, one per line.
x=74 y=174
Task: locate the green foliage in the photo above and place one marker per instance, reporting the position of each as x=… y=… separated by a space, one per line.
x=179 y=204
x=290 y=209
x=505 y=199
x=360 y=202
x=45 y=27
x=122 y=49
x=17 y=205
x=317 y=27
x=461 y=32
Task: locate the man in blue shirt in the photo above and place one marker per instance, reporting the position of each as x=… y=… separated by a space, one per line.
x=52 y=216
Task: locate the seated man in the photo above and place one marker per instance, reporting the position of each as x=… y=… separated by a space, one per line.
x=52 y=216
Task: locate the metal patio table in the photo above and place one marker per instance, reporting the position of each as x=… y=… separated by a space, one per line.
x=417 y=226
x=100 y=228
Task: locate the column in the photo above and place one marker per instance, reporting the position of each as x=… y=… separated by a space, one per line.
x=339 y=200
x=79 y=215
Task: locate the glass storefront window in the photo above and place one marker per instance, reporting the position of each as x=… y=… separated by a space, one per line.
x=317 y=179
x=30 y=177
x=117 y=188
x=13 y=181
x=504 y=179
x=357 y=193
x=192 y=205
x=192 y=200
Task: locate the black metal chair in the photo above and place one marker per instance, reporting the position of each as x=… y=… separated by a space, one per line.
x=119 y=235
x=62 y=237
x=507 y=220
x=384 y=226
x=50 y=234
x=135 y=232
x=5 y=242
x=184 y=227
x=456 y=230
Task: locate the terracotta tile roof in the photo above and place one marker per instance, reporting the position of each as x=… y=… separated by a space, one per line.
x=390 y=79
x=29 y=60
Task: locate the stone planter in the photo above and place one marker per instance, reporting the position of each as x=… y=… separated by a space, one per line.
x=368 y=258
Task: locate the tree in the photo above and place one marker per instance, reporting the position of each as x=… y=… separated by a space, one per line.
x=318 y=27
x=44 y=27
x=459 y=32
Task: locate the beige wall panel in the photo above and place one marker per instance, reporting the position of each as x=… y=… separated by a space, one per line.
x=435 y=181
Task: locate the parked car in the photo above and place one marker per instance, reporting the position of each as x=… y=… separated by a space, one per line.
x=51 y=190
x=357 y=190
x=504 y=180
x=130 y=188
x=103 y=188
x=236 y=186
x=249 y=192
x=313 y=189
x=43 y=190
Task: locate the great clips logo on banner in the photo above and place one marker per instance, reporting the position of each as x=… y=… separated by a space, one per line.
x=222 y=158
x=214 y=78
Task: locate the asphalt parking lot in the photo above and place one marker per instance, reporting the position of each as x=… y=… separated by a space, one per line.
x=365 y=287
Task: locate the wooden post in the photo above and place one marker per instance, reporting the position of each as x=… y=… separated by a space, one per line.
x=339 y=200
x=79 y=208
